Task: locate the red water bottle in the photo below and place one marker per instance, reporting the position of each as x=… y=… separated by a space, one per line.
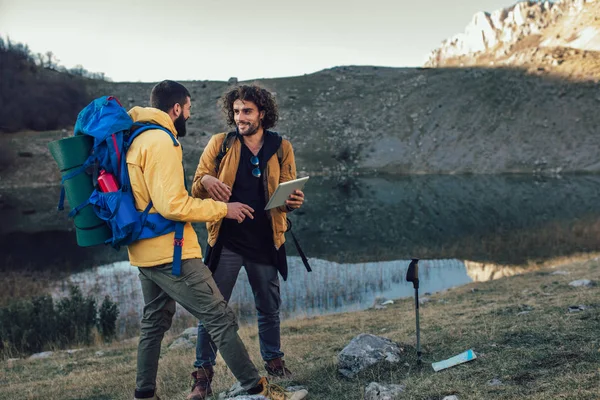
x=107 y=182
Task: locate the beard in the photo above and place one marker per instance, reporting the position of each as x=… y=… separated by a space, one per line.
x=252 y=129
x=180 y=126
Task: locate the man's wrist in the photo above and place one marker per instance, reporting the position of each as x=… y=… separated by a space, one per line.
x=203 y=180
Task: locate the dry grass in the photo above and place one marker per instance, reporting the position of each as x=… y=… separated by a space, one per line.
x=546 y=353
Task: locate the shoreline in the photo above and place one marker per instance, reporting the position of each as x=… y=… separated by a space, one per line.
x=521 y=328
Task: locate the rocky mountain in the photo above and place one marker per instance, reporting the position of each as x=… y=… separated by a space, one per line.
x=560 y=38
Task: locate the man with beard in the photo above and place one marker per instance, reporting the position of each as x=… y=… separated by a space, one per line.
x=256 y=162
x=154 y=163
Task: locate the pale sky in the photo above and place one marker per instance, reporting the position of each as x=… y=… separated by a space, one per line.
x=137 y=40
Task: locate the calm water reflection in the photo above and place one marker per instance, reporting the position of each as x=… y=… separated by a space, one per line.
x=330 y=288
x=498 y=219
x=360 y=233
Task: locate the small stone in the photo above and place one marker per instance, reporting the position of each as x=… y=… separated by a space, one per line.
x=560 y=272
x=377 y=391
x=385 y=303
x=453 y=397
x=44 y=354
x=495 y=382
x=424 y=300
x=99 y=353
x=523 y=312
x=582 y=283
x=190 y=332
x=182 y=343
x=366 y=350
x=296 y=388
x=578 y=308
x=379 y=307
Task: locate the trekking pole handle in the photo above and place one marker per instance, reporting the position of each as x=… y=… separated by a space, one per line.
x=412 y=275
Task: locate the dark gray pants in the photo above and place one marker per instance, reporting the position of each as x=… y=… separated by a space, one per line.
x=264 y=281
x=197 y=292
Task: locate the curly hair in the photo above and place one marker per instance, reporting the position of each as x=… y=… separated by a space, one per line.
x=261 y=97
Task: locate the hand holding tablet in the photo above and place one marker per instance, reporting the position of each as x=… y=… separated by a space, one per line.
x=283 y=192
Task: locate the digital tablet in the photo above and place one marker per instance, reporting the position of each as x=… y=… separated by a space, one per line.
x=283 y=191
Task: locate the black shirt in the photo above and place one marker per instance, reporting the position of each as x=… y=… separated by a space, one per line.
x=253 y=238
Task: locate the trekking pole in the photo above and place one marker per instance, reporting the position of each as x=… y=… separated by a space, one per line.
x=412 y=275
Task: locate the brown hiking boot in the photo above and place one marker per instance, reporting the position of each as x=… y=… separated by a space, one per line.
x=201 y=387
x=277 y=368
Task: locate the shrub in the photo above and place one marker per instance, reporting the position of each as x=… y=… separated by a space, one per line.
x=107 y=319
x=76 y=317
x=30 y=326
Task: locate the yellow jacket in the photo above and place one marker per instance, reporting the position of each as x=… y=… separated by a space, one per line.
x=156 y=173
x=227 y=172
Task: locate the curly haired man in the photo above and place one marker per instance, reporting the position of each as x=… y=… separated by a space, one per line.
x=256 y=160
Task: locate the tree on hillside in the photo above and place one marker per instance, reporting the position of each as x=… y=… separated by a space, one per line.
x=35 y=92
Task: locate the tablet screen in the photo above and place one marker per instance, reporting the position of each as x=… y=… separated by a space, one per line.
x=283 y=191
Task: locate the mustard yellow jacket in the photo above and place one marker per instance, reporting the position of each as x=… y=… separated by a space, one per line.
x=156 y=174
x=227 y=172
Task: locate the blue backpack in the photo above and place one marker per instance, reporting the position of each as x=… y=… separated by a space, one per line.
x=113 y=131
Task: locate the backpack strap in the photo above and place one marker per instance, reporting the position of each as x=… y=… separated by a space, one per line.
x=226 y=144
x=177 y=248
x=300 y=252
x=280 y=154
x=138 y=129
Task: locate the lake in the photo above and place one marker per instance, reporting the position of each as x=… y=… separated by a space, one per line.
x=361 y=232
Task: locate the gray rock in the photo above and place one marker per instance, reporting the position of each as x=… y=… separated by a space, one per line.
x=578 y=308
x=72 y=351
x=233 y=391
x=379 y=307
x=99 y=353
x=236 y=392
x=45 y=354
x=190 y=332
x=582 y=283
x=523 y=312
x=10 y=363
x=385 y=303
x=182 y=343
x=296 y=388
x=560 y=272
x=366 y=350
x=376 y=391
x=495 y=382
x=424 y=300
x=453 y=397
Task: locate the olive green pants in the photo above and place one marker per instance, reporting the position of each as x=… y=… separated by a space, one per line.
x=197 y=292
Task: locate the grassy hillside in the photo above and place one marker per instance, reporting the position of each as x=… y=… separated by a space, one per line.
x=397 y=120
x=528 y=345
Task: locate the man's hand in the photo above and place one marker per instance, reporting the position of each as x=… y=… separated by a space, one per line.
x=216 y=189
x=239 y=212
x=295 y=200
